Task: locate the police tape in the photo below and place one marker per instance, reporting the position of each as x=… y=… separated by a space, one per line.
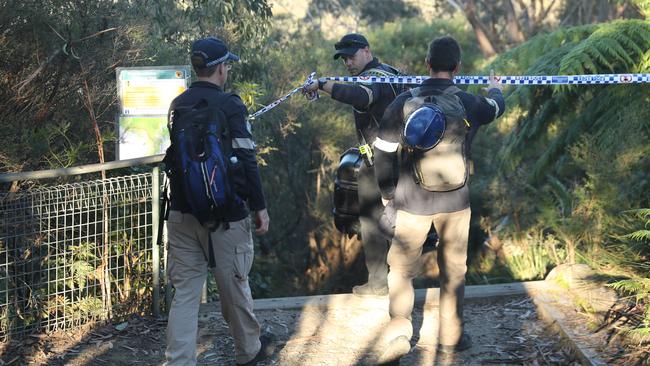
x=593 y=79
x=507 y=80
x=268 y=107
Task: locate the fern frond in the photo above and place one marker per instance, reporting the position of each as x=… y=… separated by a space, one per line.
x=633 y=286
x=643 y=213
x=639 y=235
x=614 y=46
x=602 y=58
x=562 y=195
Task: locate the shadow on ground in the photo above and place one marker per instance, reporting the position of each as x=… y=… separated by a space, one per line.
x=343 y=330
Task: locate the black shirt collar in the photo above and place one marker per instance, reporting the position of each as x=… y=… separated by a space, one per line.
x=205 y=84
x=437 y=82
x=372 y=64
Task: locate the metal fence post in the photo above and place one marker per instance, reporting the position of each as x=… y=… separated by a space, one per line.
x=107 y=226
x=168 y=285
x=155 y=250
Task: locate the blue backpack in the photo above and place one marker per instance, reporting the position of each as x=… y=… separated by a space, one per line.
x=200 y=153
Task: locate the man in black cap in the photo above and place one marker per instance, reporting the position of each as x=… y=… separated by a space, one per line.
x=369 y=102
x=228 y=248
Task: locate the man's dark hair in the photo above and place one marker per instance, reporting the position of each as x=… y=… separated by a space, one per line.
x=444 y=54
x=206 y=72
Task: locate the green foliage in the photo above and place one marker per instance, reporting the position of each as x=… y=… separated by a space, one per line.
x=641 y=235
x=369 y=11
x=571 y=158
x=301 y=142
x=558 y=168
x=55 y=89
x=614 y=47
x=82 y=267
x=405 y=44
x=644 y=7
x=529 y=257
x=249 y=93
x=638 y=288
x=637 y=285
x=582 y=149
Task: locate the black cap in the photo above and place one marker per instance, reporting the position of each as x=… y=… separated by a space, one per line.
x=350 y=44
x=210 y=51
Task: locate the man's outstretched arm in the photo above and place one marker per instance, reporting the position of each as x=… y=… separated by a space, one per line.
x=385 y=148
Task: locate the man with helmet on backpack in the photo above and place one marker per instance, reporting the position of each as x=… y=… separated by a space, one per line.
x=213 y=173
x=427 y=132
x=369 y=102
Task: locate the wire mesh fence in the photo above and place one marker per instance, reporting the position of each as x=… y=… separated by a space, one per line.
x=76 y=253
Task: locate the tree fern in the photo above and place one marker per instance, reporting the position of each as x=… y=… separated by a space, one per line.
x=614 y=46
x=588 y=49
x=639 y=235
x=642 y=234
x=583 y=148
x=639 y=288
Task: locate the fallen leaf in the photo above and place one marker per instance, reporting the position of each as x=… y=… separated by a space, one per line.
x=120 y=327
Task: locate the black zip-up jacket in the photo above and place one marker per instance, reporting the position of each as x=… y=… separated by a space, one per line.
x=368 y=100
x=407 y=194
x=247 y=179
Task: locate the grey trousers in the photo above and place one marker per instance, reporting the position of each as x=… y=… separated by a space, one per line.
x=375 y=245
x=188 y=266
x=404 y=261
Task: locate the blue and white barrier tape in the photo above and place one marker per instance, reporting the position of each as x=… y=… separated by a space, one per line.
x=267 y=108
x=507 y=80
x=470 y=80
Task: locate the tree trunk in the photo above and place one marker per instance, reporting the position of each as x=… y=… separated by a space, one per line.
x=105 y=280
x=527 y=15
x=485 y=44
x=514 y=29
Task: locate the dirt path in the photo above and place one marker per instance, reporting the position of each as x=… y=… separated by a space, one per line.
x=504 y=331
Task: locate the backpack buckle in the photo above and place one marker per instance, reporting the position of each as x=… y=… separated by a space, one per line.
x=366 y=152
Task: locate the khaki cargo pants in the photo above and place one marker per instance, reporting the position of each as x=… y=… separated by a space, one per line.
x=188 y=265
x=404 y=263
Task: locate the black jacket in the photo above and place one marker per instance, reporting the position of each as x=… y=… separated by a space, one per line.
x=243 y=147
x=369 y=100
x=407 y=194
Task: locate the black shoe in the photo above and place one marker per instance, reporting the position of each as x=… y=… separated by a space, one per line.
x=464 y=343
x=266 y=350
x=367 y=290
x=396 y=349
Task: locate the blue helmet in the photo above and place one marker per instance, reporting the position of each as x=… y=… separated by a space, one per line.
x=424 y=128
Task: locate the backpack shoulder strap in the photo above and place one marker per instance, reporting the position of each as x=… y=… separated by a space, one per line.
x=453 y=89
x=393 y=70
x=414 y=102
x=375 y=71
x=224 y=130
x=205 y=102
x=430 y=92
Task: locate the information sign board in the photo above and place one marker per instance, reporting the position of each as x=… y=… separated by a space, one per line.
x=144 y=95
x=148 y=91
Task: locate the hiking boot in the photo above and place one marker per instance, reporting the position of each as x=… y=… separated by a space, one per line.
x=396 y=349
x=367 y=290
x=464 y=343
x=266 y=350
